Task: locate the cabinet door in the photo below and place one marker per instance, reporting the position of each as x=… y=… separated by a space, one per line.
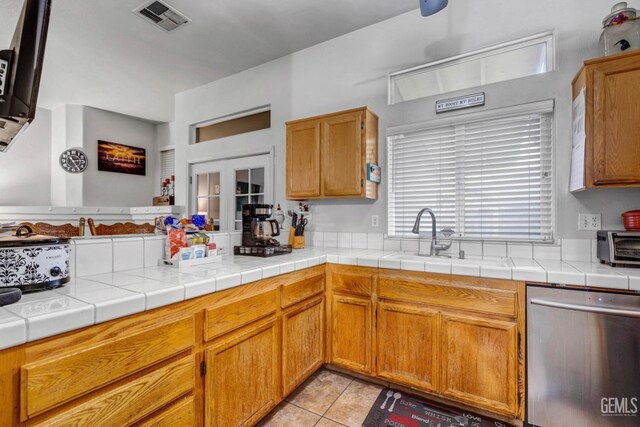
x=243 y=381
x=408 y=344
x=342 y=155
x=303 y=160
x=351 y=332
x=616 y=127
x=302 y=342
x=479 y=362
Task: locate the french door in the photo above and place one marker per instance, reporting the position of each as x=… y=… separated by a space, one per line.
x=220 y=188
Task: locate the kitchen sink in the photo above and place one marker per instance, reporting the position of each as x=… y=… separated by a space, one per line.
x=476 y=260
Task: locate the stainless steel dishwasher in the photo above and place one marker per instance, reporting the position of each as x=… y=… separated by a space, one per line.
x=583 y=358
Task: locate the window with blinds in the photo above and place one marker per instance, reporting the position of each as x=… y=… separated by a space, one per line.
x=167 y=164
x=486 y=179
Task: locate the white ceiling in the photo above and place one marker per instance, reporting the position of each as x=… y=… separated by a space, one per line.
x=100 y=54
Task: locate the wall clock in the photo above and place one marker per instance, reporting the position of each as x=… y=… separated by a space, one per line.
x=73 y=160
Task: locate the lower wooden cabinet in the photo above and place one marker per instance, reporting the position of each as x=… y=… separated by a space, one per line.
x=480 y=362
x=180 y=414
x=131 y=402
x=227 y=359
x=242 y=383
x=351 y=332
x=408 y=344
x=302 y=342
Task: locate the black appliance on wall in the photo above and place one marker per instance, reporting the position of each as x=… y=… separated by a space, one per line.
x=20 y=70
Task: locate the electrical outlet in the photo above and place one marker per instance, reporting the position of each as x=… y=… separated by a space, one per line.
x=375 y=220
x=589 y=222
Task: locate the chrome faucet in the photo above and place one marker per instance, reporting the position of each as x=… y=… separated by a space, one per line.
x=435 y=246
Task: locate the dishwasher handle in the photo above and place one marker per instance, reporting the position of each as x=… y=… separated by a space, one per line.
x=586 y=308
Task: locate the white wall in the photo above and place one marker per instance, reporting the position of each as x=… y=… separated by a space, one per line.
x=351 y=71
x=116 y=189
x=25 y=169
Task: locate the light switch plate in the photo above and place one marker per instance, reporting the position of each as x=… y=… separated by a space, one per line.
x=589 y=222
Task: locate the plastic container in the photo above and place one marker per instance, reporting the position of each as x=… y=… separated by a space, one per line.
x=631 y=220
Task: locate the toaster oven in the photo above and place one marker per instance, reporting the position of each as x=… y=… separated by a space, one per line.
x=619 y=247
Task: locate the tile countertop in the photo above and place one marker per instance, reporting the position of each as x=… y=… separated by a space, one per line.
x=99 y=298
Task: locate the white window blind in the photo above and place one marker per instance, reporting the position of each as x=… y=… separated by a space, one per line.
x=486 y=179
x=167 y=164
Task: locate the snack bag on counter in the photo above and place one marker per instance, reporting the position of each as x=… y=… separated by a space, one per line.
x=199 y=221
x=197 y=239
x=176 y=239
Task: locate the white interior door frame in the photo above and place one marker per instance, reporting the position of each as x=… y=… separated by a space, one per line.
x=227 y=165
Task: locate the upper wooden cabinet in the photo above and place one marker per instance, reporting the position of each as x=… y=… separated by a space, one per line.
x=327 y=155
x=612 y=146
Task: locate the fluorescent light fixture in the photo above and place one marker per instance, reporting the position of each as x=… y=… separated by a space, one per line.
x=429 y=7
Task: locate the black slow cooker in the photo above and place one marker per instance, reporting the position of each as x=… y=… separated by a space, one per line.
x=33 y=262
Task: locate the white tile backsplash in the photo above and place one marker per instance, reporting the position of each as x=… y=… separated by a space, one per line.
x=409 y=245
x=576 y=250
x=375 y=241
x=330 y=239
x=153 y=250
x=317 y=239
x=93 y=256
x=344 y=240
x=519 y=250
x=359 y=240
x=222 y=242
x=391 y=245
x=235 y=239
x=547 y=251
x=471 y=248
x=128 y=253
x=492 y=249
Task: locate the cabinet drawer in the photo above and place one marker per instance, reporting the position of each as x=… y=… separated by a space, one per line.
x=356 y=284
x=133 y=401
x=225 y=318
x=473 y=298
x=48 y=384
x=299 y=291
x=181 y=414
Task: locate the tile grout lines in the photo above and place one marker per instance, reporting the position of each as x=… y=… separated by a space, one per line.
x=327 y=410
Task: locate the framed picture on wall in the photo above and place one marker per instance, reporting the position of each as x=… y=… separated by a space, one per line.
x=120 y=158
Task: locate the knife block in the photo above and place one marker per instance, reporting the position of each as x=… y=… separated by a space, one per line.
x=292 y=234
x=298 y=242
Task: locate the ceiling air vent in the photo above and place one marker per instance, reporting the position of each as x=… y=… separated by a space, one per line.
x=162 y=15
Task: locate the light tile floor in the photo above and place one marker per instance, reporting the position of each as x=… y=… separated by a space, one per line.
x=327 y=399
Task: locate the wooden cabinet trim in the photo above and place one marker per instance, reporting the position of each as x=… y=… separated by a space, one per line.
x=303 y=182
x=233 y=315
x=213 y=415
x=352 y=283
x=179 y=414
x=413 y=355
x=49 y=383
x=341 y=353
x=301 y=290
x=132 y=401
x=293 y=376
x=509 y=405
x=471 y=298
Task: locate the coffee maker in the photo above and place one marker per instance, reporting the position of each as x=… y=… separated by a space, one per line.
x=257 y=228
x=258 y=232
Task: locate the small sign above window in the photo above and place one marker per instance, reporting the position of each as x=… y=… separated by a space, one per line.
x=475 y=100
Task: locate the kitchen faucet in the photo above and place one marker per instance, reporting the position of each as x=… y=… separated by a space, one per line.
x=435 y=246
